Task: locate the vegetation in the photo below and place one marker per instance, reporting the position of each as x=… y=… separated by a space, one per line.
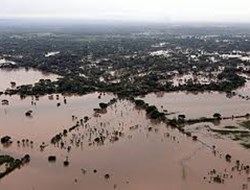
x=246 y=145
x=126 y=63
x=217 y=116
x=151 y=111
x=103 y=105
x=245 y=124
x=12 y=163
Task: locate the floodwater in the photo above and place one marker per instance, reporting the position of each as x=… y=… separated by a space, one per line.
x=199 y=105
x=47 y=118
x=136 y=153
x=22 y=76
x=245 y=90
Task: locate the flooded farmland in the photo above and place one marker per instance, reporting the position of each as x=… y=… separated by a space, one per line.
x=121 y=148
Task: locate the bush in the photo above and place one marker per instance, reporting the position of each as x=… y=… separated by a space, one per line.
x=150 y=109
x=139 y=103
x=103 y=105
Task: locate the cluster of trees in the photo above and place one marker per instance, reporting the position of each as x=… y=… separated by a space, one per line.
x=83 y=59
x=151 y=110
x=12 y=163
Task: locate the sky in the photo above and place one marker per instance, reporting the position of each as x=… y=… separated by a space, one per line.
x=130 y=10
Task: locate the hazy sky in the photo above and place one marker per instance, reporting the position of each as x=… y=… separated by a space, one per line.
x=147 y=10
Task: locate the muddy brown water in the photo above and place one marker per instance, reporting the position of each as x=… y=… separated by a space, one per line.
x=147 y=155
x=22 y=76
x=199 y=105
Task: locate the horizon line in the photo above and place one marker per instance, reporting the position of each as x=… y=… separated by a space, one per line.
x=167 y=21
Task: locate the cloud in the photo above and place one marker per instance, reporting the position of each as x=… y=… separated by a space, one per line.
x=157 y=10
